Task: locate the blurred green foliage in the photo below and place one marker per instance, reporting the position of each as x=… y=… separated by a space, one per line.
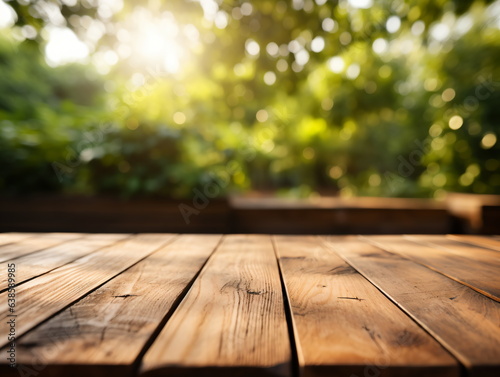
x=299 y=97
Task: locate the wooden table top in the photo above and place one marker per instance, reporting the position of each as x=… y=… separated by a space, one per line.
x=249 y=305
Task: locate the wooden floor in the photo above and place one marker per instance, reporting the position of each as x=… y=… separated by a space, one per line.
x=249 y=305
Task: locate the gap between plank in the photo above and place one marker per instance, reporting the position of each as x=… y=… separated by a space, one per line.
x=474 y=242
x=428 y=266
x=462 y=369
x=16 y=241
x=78 y=237
x=137 y=363
x=71 y=261
x=175 y=236
x=296 y=352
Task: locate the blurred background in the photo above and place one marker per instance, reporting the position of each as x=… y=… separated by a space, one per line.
x=302 y=98
x=385 y=98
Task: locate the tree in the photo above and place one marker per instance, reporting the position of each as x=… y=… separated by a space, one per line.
x=301 y=96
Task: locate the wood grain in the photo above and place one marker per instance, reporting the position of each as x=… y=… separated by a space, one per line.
x=46 y=260
x=111 y=326
x=34 y=244
x=462 y=320
x=231 y=322
x=345 y=326
x=482 y=241
x=475 y=271
x=12 y=237
x=41 y=298
x=463 y=249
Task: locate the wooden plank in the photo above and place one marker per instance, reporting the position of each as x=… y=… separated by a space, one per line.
x=305 y=220
x=39 y=263
x=41 y=298
x=107 y=214
x=482 y=241
x=469 y=209
x=231 y=322
x=490 y=218
x=345 y=326
x=464 y=249
x=104 y=333
x=331 y=202
x=462 y=320
x=12 y=237
x=33 y=244
x=479 y=273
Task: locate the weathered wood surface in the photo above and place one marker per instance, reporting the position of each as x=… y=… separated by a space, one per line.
x=41 y=262
x=41 y=298
x=345 y=326
x=471 y=267
x=33 y=244
x=231 y=322
x=249 y=305
x=484 y=241
x=97 y=330
x=6 y=238
x=466 y=250
x=464 y=321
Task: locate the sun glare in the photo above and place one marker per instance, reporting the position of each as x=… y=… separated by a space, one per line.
x=156 y=43
x=149 y=41
x=144 y=40
x=64 y=47
x=7 y=15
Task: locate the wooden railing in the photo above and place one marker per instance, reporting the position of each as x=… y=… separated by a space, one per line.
x=460 y=213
